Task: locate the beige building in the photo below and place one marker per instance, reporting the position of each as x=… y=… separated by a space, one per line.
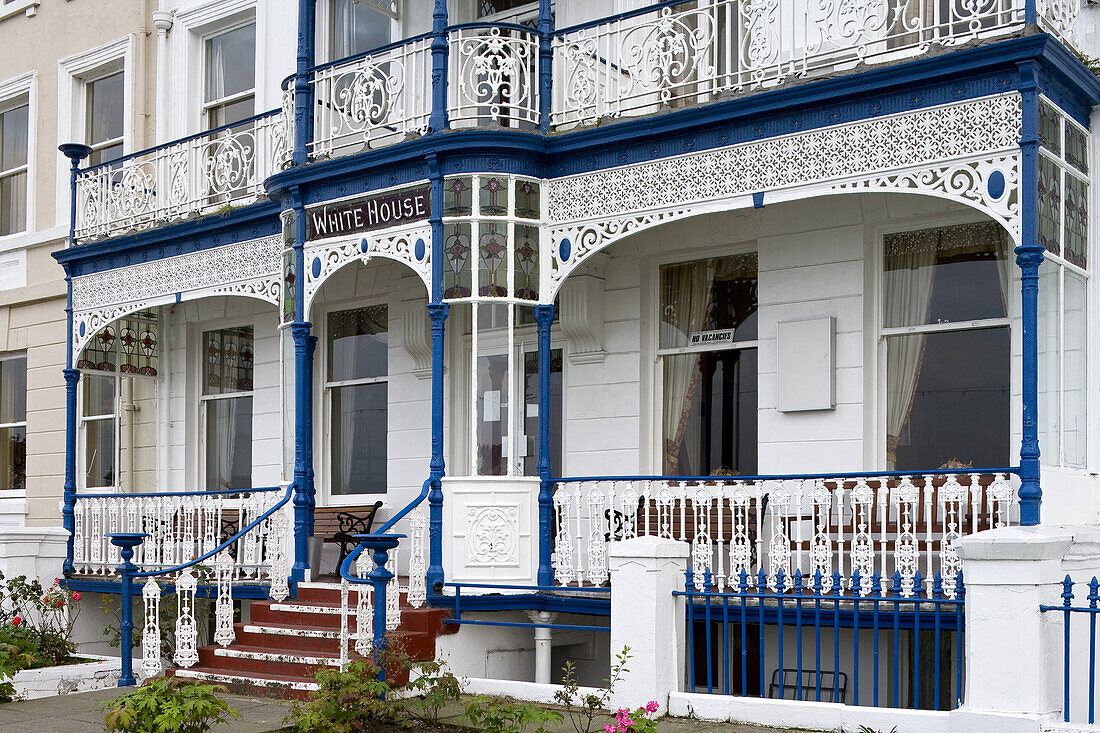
x=70 y=71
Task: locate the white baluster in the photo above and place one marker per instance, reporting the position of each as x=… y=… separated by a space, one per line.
x=223 y=605
x=364 y=608
x=343 y=622
x=906 y=500
x=187 y=654
x=418 y=569
x=562 y=560
x=280 y=558
x=821 y=549
x=862 y=498
x=393 y=594
x=597 y=536
x=151 y=664
x=79 y=535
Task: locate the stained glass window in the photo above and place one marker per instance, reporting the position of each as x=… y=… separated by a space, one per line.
x=1050 y=205
x=457 y=197
x=527 y=200
x=493 y=200
x=128 y=346
x=229 y=360
x=456 y=267
x=527 y=262
x=1077 y=148
x=1077 y=221
x=289 y=291
x=492 y=277
x=100 y=353
x=1050 y=132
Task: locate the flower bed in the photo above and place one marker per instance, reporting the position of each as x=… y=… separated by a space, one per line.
x=93 y=674
x=36 y=627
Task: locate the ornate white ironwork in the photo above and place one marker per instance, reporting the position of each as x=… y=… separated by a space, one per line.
x=251 y=269
x=493 y=76
x=191 y=177
x=492 y=534
x=393 y=594
x=372 y=101
x=870 y=525
x=1059 y=18
x=187 y=632
x=965 y=151
x=223 y=605
x=418 y=564
x=364 y=608
x=692 y=52
x=323 y=260
x=344 y=639
x=151 y=663
x=281 y=534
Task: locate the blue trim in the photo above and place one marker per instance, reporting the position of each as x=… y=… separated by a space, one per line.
x=1029 y=256
x=546 y=65
x=437 y=312
x=544 y=317
x=758 y=200
x=618 y=16
x=114 y=587
x=527 y=602
x=792 y=476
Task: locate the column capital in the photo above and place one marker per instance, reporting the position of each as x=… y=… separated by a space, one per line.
x=1029 y=255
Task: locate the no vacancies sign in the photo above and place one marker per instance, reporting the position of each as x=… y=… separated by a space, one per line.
x=368 y=213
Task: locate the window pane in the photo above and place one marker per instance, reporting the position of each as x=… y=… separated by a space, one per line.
x=99 y=395
x=708 y=295
x=229 y=361
x=105 y=106
x=229 y=443
x=13 y=458
x=1050 y=205
x=358 y=345
x=357 y=27
x=13 y=203
x=359 y=428
x=948 y=399
x=13 y=137
x=946 y=274
x=13 y=390
x=492 y=415
x=227 y=114
x=531 y=411
x=230 y=63
x=1050 y=367
x=102 y=155
x=99 y=453
x=709 y=408
x=1074 y=398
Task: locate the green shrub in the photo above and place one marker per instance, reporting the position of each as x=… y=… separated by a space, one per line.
x=496 y=715
x=346 y=701
x=168 y=705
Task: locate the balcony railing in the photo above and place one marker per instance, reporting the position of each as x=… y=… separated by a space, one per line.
x=207 y=173
x=662 y=57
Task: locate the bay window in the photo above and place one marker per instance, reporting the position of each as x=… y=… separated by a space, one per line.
x=357 y=393
x=226 y=405
x=13 y=423
x=947 y=347
x=707 y=352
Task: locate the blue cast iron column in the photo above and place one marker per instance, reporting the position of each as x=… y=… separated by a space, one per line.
x=1029 y=256
x=304 y=345
x=546 y=65
x=75 y=152
x=544 y=317
x=1031 y=13
x=437 y=120
x=303 y=92
x=437 y=311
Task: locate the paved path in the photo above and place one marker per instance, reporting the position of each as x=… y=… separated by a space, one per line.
x=80 y=713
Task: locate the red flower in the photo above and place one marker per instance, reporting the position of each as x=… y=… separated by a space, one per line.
x=76 y=596
x=16 y=621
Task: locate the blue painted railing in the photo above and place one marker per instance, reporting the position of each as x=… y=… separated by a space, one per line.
x=1087 y=614
x=818 y=609
x=458 y=620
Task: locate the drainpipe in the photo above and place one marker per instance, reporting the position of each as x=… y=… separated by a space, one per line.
x=303 y=92
x=75 y=152
x=162 y=20
x=543 y=638
x=1029 y=256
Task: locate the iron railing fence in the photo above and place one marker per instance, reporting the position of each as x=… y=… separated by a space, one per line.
x=1078 y=648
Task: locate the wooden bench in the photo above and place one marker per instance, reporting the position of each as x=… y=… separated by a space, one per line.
x=339 y=524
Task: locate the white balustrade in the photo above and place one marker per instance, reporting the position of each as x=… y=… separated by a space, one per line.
x=194 y=176
x=372 y=101
x=690 y=53
x=493 y=76
x=1059 y=18
x=886 y=525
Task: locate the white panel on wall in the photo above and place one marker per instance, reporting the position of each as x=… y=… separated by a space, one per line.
x=13 y=269
x=806 y=367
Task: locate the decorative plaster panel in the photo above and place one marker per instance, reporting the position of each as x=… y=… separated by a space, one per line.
x=966 y=151
x=252 y=269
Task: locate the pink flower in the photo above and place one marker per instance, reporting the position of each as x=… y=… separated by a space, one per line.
x=651 y=706
x=16 y=621
x=609 y=728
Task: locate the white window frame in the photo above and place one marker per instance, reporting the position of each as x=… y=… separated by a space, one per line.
x=878 y=333
x=653 y=353
x=73 y=73
x=16 y=493
x=109 y=142
x=82 y=433
x=524 y=13
x=208 y=106
x=12 y=93
x=326 y=386
x=203 y=399
x=323 y=35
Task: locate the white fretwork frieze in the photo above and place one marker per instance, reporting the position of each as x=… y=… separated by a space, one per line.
x=251 y=269
x=966 y=151
x=411 y=245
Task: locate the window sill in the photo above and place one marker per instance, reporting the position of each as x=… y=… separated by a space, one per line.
x=28 y=7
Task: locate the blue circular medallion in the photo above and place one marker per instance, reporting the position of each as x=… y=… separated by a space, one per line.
x=565 y=249
x=996 y=185
x=316 y=267
x=419 y=250
x=81 y=330
x=364 y=245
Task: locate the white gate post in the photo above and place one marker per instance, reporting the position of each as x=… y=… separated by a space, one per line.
x=647 y=618
x=1013 y=651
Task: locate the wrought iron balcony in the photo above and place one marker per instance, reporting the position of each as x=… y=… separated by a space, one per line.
x=662 y=57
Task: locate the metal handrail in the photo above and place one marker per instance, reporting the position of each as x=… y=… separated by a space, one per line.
x=1015 y=470
x=154 y=494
